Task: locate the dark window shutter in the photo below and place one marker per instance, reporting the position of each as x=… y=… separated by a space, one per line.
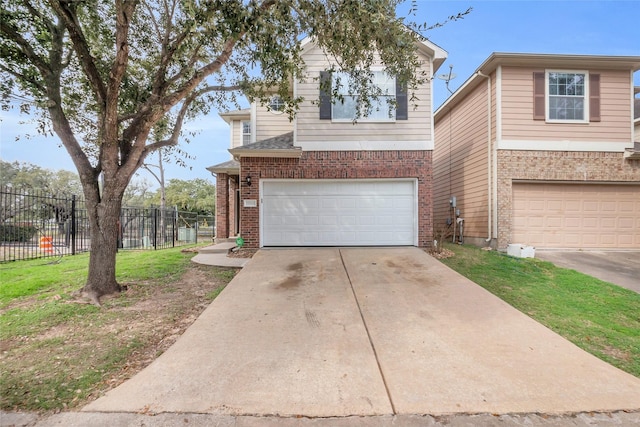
x=539 y=107
x=402 y=103
x=594 y=97
x=325 y=95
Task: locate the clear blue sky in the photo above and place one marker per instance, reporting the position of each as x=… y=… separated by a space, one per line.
x=572 y=27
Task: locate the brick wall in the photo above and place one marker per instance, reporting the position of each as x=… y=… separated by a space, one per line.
x=558 y=166
x=339 y=165
x=233 y=186
x=222 y=206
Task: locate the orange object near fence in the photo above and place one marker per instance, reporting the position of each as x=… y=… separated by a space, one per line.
x=46 y=244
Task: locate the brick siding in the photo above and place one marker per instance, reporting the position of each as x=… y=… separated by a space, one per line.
x=561 y=166
x=222 y=206
x=233 y=186
x=338 y=165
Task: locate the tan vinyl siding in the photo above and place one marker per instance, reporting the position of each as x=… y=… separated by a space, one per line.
x=236 y=133
x=271 y=124
x=517 y=110
x=311 y=128
x=460 y=160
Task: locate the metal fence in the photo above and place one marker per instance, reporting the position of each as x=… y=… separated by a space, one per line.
x=38 y=225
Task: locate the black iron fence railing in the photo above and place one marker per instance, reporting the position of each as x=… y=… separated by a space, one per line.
x=38 y=225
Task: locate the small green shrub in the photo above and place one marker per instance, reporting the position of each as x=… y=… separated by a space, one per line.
x=17 y=233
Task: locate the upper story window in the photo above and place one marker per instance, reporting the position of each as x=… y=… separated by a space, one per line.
x=382 y=108
x=246 y=132
x=566 y=93
x=566 y=96
x=276 y=104
x=391 y=103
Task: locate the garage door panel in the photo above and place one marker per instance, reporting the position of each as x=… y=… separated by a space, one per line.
x=628 y=206
x=576 y=215
x=341 y=212
x=292 y=220
x=571 y=206
x=590 y=206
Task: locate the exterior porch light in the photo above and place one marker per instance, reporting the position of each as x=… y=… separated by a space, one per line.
x=248 y=181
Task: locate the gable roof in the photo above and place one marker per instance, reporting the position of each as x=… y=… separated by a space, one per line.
x=278 y=146
x=537 y=61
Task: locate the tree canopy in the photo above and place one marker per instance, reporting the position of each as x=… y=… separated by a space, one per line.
x=29 y=177
x=195 y=195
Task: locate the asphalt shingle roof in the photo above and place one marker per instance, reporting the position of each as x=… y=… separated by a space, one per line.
x=280 y=142
x=226 y=165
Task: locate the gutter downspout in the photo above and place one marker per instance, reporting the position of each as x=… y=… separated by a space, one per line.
x=489 y=160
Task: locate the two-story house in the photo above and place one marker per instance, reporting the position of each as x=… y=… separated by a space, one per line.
x=323 y=180
x=538 y=149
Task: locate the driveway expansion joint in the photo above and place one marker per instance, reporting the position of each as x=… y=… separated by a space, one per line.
x=373 y=347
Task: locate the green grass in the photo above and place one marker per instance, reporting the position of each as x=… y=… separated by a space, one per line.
x=58 y=354
x=601 y=318
x=43 y=279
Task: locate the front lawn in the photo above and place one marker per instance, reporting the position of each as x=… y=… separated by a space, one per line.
x=56 y=354
x=601 y=318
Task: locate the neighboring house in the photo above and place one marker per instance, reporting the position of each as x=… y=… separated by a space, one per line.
x=538 y=149
x=322 y=180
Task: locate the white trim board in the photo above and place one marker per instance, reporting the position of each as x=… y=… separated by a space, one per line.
x=532 y=145
x=352 y=145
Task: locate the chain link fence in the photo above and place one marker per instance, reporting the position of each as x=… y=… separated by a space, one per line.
x=38 y=225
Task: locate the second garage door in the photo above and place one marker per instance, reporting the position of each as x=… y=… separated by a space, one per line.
x=339 y=213
x=585 y=216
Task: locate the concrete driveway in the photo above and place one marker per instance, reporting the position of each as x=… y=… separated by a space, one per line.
x=339 y=332
x=621 y=268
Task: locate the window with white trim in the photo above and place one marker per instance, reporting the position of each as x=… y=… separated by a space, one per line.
x=276 y=104
x=567 y=95
x=382 y=108
x=246 y=132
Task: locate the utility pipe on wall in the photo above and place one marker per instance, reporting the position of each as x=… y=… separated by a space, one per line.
x=489 y=160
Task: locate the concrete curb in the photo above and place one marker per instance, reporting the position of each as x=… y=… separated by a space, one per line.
x=102 y=419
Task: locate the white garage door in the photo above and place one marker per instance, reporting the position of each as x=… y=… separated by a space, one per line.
x=338 y=212
x=585 y=216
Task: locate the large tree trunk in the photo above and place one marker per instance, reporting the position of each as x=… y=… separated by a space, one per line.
x=104 y=222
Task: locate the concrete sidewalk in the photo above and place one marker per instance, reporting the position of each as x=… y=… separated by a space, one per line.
x=621 y=268
x=216 y=255
x=352 y=332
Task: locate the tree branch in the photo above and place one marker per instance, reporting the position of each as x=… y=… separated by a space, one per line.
x=154 y=21
x=35 y=12
x=202 y=73
x=63 y=129
x=177 y=127
x=24 y=46
x=65 y=10
x=21 y=76
x=188 y=66
x=124 y=10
